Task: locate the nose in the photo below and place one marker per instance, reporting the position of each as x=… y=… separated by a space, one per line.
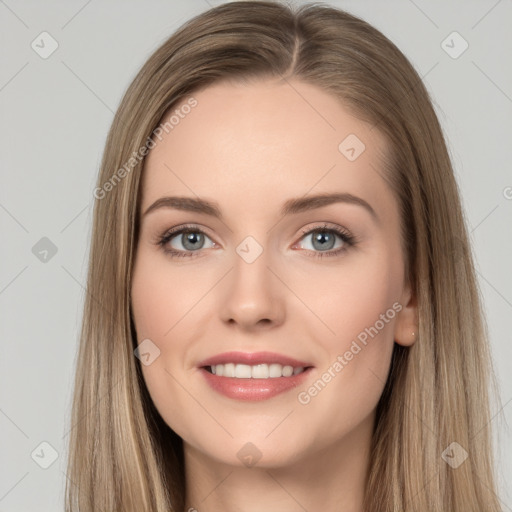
x=253 y=295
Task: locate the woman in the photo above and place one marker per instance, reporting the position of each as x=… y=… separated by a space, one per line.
x=282 y=310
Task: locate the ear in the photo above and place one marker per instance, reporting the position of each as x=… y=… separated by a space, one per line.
x=406 y=324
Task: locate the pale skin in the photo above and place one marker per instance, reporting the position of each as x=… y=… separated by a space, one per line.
x=249 y=148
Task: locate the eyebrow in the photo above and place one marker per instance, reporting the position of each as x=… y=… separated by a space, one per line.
x=290 y=207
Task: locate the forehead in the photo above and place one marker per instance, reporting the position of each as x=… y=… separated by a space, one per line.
x=267 y=139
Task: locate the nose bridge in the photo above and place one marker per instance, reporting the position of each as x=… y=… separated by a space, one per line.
x=251 y=261
x=253 y=292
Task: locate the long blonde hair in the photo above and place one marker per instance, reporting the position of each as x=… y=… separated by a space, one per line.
x=122 y=455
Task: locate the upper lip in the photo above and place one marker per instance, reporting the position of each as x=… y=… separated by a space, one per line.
x=253 y=358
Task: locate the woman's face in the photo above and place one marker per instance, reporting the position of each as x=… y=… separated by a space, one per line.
x=263 y=272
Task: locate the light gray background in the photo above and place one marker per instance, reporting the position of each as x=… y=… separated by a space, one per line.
x=55 y=116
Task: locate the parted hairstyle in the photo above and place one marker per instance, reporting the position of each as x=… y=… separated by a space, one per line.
x=122 y=455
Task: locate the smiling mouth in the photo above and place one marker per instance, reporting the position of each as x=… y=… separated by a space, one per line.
x=257 y=371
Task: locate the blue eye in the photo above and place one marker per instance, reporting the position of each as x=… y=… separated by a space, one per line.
x=192 y=239
x=323 y=238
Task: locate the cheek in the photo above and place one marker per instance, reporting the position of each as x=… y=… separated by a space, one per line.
x=162 y=295
x=351 y=298
x=360 y=305
x=162 y=302
x=153 y=315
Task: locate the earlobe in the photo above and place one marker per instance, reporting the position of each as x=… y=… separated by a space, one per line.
x=406 y=340
x=406 y=324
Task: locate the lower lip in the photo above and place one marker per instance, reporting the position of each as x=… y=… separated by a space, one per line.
x=253 y=389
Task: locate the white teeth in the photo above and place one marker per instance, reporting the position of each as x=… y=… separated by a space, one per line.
x=243 y=371
x=287 y=371
x=258 y=371
x=229 y=370
x=275 y=370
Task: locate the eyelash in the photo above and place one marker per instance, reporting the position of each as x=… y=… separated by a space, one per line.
x=348 y=240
